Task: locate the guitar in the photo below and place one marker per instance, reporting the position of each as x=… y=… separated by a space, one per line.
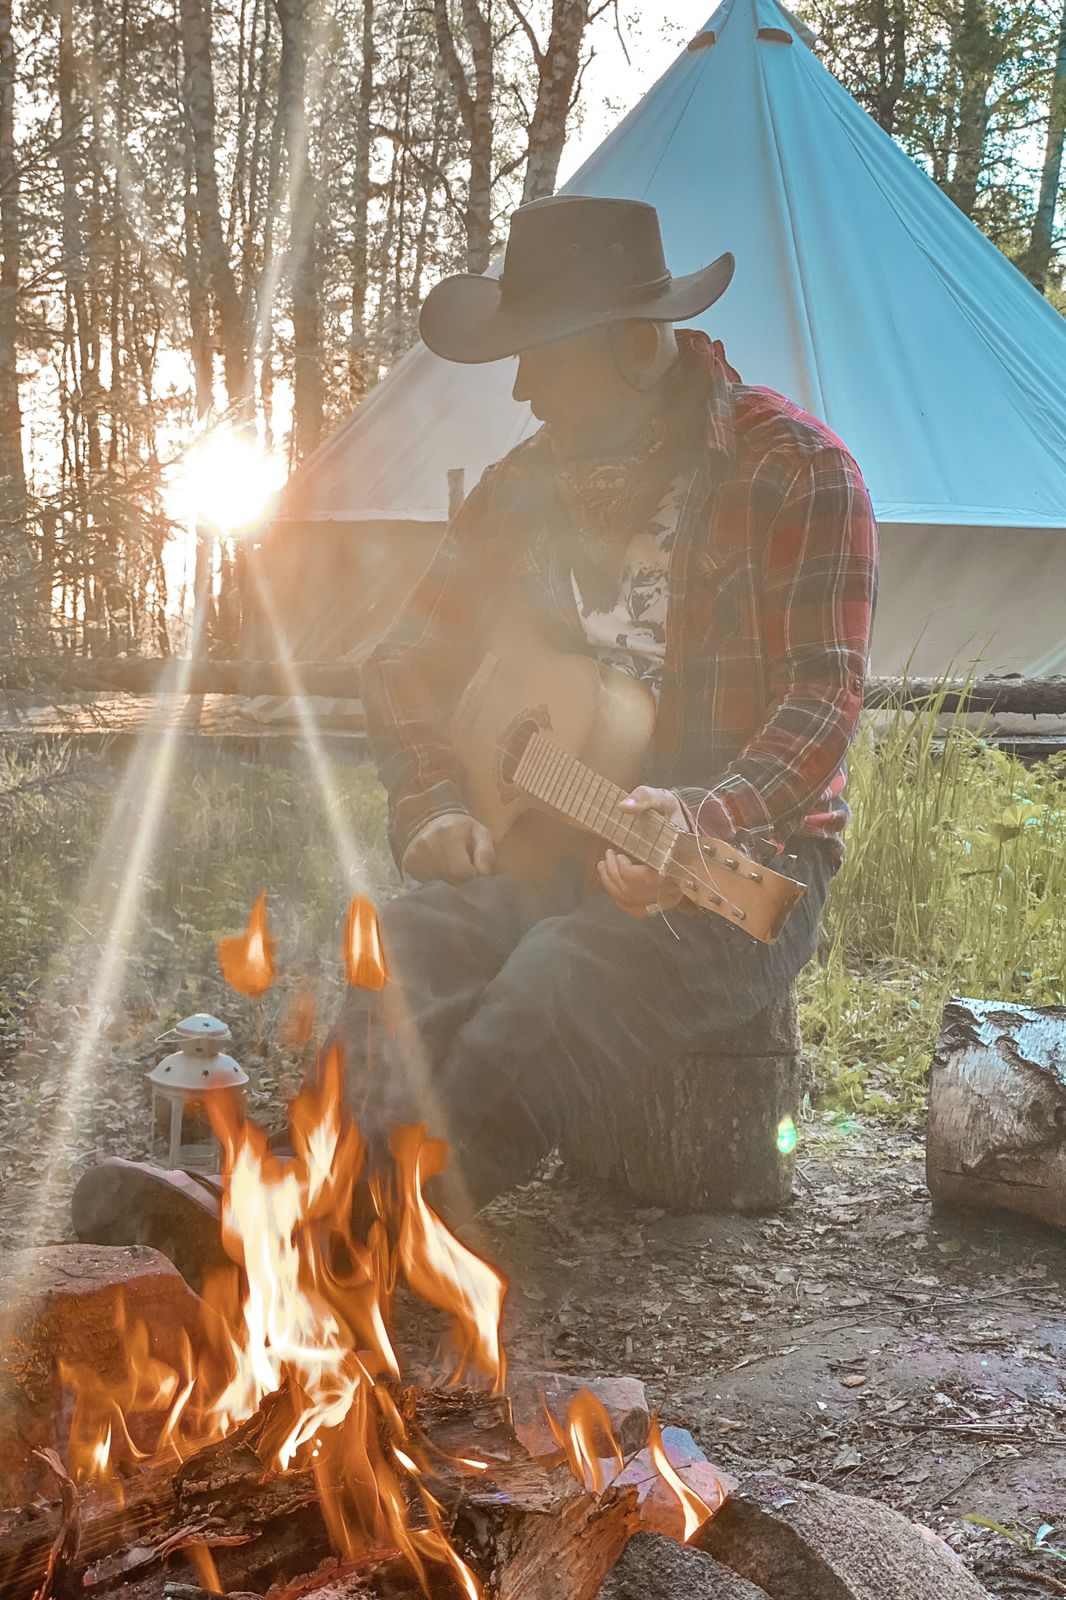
x=550 y=742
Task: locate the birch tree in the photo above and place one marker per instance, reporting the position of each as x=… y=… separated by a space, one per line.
x=1039 y=255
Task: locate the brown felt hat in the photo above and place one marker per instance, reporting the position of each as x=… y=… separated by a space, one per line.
x=572 y=263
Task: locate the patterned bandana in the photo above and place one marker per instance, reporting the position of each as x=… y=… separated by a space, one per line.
x=609 y=498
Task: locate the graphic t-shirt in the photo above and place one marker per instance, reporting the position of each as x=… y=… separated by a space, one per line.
x=631 y=634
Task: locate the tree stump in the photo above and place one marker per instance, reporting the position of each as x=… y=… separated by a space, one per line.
x=997 y=1109
x=713 y=1132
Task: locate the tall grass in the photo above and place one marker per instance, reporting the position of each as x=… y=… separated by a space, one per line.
x=954 y=881
x=231 y=827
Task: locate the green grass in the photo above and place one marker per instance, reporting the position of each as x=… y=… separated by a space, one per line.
x=230 y=828
x=954 y=882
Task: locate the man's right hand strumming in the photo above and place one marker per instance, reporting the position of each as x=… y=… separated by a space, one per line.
x=452 y=847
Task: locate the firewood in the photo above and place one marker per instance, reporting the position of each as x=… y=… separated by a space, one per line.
x=997 y=1109
x=518 y=1525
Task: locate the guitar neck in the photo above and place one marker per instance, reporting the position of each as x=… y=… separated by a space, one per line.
x=558 y=780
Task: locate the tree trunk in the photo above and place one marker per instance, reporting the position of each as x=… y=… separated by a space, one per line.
x=713 y=1132
x=891 y=61
x=1042 y=238
x=976 y=59
x=303 y=228
x=199 y=96
x=997 y=1109
x=475 y=101
x=14 y=547
x=557 y=69
x=358 y=374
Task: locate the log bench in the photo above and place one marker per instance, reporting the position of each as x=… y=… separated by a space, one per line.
x=712 y=1132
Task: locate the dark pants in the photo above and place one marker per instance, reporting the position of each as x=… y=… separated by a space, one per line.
x=509 y=1001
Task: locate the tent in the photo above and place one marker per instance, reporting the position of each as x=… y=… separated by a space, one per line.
x=861 y=292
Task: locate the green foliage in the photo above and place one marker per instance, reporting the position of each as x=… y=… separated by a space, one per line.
x=954 y=882
x=230 y=828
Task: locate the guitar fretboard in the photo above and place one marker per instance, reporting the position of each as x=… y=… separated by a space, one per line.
x=549 y=774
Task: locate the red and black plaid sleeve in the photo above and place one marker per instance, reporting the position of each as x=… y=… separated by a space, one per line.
x=819 y=581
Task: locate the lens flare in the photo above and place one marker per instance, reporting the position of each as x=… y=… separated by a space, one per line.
x=787 y=1136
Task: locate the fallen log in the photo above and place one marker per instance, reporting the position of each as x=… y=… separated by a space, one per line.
x=1026 y=696
x=340 y=679
x=997 y=1109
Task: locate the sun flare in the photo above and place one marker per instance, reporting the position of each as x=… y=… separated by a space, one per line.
x=225 y=481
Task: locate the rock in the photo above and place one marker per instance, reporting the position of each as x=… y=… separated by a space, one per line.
x=624 y=1398
x=799 y=1540
x=658 y=1508
x=654 y=1568
x=67 y=1303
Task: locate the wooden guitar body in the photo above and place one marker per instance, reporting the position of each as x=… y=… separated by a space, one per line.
x=595 y=713
x=550 y=745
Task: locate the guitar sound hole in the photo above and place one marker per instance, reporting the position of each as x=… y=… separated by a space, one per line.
x=515 y=747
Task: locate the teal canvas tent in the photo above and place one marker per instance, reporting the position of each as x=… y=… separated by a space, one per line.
x=860 y=291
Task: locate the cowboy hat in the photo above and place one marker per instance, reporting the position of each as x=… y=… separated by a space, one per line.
x=573 y=263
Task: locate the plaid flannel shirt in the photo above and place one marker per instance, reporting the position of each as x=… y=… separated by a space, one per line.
x=772 y=586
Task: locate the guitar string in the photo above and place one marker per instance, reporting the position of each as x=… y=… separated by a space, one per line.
x=552 y=771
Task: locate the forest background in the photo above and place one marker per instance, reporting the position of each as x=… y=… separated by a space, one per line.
x=233 y=208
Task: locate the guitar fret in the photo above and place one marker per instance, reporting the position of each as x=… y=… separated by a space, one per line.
x=541 y=763
x=588 y=803
x=557 y=777
x=572 y=785
x=540 y=776
x=551 y=775
x=527 y=773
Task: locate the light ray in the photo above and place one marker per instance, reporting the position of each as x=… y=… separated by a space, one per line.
x=124 y=854
x=417 y=1063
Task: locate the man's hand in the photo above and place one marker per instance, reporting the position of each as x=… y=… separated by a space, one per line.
x=452 y=847
x=640 y=891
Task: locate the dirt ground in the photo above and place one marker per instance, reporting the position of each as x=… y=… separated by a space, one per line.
x=857 y=1339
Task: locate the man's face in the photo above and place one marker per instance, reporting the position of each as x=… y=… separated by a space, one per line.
x=573 y=383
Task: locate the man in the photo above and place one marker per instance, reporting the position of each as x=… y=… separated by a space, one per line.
x=708 y=537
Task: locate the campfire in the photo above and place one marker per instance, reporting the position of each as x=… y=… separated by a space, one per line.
x=286 y=1449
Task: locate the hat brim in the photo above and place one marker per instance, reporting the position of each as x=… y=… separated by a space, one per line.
x=466 y=318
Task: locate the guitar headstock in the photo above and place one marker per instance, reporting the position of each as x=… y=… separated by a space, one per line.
x=721 y=879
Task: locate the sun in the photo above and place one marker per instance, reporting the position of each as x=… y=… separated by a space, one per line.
x=226 y=481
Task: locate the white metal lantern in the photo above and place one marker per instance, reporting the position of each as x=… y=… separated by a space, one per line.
x=182 y=1084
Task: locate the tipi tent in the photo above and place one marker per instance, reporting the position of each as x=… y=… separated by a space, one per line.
x=860 y=291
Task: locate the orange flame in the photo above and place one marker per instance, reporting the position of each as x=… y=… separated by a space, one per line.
x=204 y=1566
x=588 y=1441
x=247 y=961
x=307 y=1323
x=441 y=1269
x=364 y=958
x=696 y=1511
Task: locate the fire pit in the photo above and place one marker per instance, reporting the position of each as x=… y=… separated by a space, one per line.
x=265 y=1441
x=284 y=1447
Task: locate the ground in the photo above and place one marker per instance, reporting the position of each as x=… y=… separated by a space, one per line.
x=857 y=1338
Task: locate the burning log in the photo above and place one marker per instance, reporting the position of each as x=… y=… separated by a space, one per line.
x=997 y=1109
x=520 y=1527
